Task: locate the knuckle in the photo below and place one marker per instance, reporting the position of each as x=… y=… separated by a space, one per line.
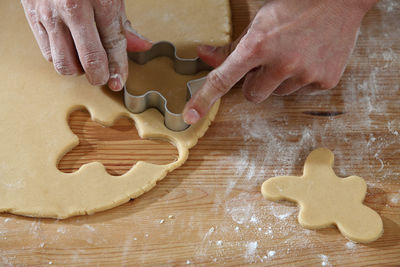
x=62 y=66
x=95 y=65
x=71 y=7
x=291 y=64
x=107 y=3
x=108 y=8
x=32 y=15
x=253 y=44
x=254 y=47
x=94 y=59
x=49 y=17
x=115 y=43
x=71 y=3
x=218 y=82
x=287 y=69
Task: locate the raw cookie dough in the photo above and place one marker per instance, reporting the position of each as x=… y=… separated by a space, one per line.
x=171 y=84
x=36 y=102
x=200 y=21
x=326 y=199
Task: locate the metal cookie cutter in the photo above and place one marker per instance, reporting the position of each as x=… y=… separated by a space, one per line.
x=154 y=99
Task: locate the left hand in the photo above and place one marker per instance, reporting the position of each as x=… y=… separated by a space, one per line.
x=85 y=35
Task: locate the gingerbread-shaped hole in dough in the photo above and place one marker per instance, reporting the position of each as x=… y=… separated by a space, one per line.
x=325 y=199
x=172 y=85
x=118 y=147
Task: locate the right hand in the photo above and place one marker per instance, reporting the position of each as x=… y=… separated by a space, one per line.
x=89 y=36
x=290 y=46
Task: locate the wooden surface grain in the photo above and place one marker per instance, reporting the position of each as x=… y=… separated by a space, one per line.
x=210 y=211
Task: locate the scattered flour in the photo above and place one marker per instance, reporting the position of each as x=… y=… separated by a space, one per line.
x=350 y=245
x=282 y=212
x=254 y=219
x=392 y=128
x=61 y=230
x=395 y=199
x=90 y=228
x=324 y=260
x=269 y=231
x=251 y=248
x=209 y=233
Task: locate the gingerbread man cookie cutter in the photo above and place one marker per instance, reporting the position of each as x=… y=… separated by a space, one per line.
x=326 y=199
x=153 y=98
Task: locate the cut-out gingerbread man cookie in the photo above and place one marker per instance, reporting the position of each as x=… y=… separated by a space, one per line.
x=326 y=199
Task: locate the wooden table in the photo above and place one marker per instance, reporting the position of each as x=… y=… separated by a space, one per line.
x=210 y=211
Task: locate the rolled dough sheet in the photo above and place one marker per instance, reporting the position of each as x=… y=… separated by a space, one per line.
x=36 y=102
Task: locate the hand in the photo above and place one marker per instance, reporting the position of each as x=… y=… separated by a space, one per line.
x=290 y=46
x=90 y=36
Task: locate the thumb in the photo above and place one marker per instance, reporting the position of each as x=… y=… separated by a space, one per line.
x=135 y=41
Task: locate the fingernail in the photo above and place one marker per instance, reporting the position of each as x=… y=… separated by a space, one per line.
x=207 y=49
x=115 y=82
x=191 y=116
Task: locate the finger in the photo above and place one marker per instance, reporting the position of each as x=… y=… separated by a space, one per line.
x=38 y=30
x=261 y=82
x=218 y=83
x=63 y=51
x=81 y=22
x=110 y=27
x=42 y=38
